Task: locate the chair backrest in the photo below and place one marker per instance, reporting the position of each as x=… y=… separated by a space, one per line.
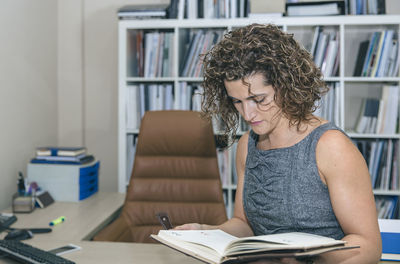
x=175 y=171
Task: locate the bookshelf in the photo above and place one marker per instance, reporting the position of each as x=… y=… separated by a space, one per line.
x=343 y=106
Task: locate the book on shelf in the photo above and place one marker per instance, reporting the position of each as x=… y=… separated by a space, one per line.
x=381 y=156
x=387 y=206
x=138 y=11
x=364 y=7
x=388 y=119
x=199 y=42
x=266 y=8
x=380 y=115
x=135 y=53
x=197 y=98
x=361 y=55
x=223 y=165
x=158 y=54
x=378 y=54
x=60 y=151
x=153 y=97
x=216 y=246
x=381 y=59
x=132 y=107
x=311 y=8
x=376 y=160
x=172 y=10
x=368 y=116
x=392 y=7
x=203 y=9
x=369 y=57
x=331 y=51
x=327 y=106
x=393 y=60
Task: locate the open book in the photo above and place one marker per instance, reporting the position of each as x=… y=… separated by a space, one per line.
x=216 y=246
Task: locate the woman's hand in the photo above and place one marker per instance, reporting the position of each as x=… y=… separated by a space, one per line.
x=191 y=226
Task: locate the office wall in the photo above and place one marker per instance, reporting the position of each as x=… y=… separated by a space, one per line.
x=28 y=95
x=88 y=79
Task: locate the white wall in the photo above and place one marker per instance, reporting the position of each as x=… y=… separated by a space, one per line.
x=88 y=80
x=58 y=82
x=28 y=95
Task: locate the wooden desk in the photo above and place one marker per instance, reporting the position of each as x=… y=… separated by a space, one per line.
x=83 y=220
x=117 y=253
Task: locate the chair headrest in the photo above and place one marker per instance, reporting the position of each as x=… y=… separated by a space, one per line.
x=175 y=133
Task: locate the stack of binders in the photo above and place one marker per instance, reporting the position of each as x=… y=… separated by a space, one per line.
x=62 y=155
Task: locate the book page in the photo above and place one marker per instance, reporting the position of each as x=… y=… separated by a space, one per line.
x=214 y=239
x=294 y=240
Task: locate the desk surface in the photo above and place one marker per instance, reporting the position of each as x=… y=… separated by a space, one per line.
x=113 y=252
x=83 y=220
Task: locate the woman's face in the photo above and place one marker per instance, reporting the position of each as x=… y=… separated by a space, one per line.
x=258 y=107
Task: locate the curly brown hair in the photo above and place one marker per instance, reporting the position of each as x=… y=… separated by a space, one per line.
x=264 y=49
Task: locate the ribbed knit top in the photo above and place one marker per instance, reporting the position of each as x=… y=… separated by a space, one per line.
x=283 y=191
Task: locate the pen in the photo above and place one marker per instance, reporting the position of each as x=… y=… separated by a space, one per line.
x=164 y=220
x=57 y=221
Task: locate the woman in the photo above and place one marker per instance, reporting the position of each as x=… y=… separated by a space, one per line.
x=296 y=171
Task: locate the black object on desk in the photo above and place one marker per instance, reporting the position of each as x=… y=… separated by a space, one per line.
x=22 y=234
x=29 y=254
x=6 y=220
x=19 y=234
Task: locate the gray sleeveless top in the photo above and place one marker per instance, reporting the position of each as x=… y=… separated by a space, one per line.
x=283 y=191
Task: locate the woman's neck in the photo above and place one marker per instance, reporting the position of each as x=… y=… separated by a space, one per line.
x=286 y=135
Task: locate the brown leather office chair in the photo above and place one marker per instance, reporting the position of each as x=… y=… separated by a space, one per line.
x=175 y=171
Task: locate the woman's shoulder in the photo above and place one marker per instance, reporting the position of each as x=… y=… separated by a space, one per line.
x=334 y=144
x=327 y=131
x=334 y=136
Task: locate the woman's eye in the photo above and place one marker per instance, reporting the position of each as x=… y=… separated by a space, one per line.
x=259 y=100
x=235 y=101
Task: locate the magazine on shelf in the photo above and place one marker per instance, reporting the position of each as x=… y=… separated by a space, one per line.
x=216 y=246
x=320 y=8
x=143 y=11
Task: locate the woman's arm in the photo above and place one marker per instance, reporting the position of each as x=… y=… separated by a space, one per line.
x=237 y=225
x=344 y=170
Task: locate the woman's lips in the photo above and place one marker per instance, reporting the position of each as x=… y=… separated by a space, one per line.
x=255 y=123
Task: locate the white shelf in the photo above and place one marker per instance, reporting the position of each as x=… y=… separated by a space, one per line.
x=148 y=80
x=352 y=30
x=386 y=192
x=372 y=136
x=283 y=21
x=371 y=79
